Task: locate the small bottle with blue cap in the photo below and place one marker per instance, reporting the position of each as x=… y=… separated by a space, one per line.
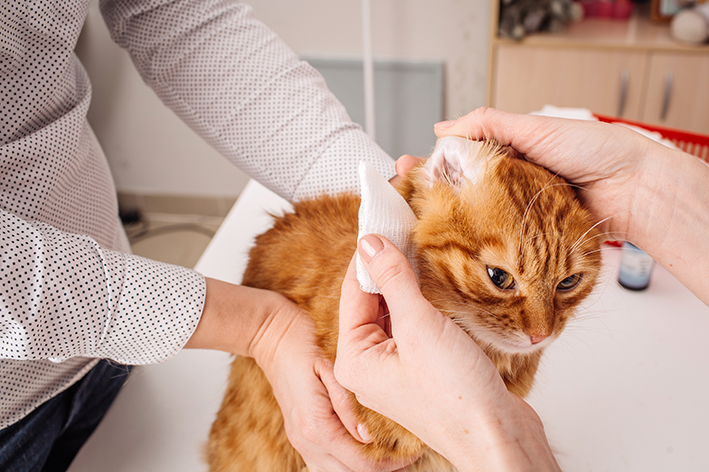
x=635 y=268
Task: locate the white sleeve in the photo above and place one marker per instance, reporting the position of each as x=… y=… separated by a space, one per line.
x=245 y=92
x=64 y=296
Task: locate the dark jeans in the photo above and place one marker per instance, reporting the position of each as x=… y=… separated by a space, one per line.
x=49 y=438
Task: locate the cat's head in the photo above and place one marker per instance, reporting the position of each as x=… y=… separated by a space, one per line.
x=504 y=247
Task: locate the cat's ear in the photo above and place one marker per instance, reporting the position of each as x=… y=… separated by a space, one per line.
x=456 y=162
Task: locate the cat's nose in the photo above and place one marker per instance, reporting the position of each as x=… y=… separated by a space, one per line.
x=536 y=339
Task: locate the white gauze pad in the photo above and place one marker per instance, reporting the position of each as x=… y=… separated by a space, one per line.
x=383 y=211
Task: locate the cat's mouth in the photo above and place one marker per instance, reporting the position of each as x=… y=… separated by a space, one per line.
x=508 y=343
x=520 y=343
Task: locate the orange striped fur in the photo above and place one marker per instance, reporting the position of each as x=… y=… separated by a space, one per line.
x=518 y=218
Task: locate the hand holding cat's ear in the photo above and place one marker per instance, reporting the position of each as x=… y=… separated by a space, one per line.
x=518 y=131
x=605 y=161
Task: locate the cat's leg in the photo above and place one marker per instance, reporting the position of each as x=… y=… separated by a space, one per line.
x=248 y=434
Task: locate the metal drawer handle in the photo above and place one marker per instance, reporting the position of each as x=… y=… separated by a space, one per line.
x=667 y=96
x=623 y=91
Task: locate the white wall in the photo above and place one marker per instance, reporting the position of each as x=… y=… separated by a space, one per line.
x=455 y=31
x=151 y=152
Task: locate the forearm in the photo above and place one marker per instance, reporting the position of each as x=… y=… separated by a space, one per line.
x=232 y=80
x=670 y=216
x=231 y=318
x=67 y=296
x=241 y=320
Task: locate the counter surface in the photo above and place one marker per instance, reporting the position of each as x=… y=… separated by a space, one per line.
x=623 y=389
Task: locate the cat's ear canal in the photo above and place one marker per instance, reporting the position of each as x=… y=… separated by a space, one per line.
x=456 y=162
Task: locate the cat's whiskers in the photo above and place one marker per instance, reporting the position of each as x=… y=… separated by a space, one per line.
x=467 y=319
x=591 y=252
x=466 y=308
x=580 y=240
x=523 y=225
x=471 y=321
x=602 y=284
x=581 y=329
x=575 y=247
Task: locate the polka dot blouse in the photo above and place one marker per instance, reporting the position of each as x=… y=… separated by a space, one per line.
x=70 y=292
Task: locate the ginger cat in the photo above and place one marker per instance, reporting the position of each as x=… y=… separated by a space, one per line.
x=503 y=247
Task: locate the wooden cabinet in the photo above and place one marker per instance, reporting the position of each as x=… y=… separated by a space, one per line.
x=630 y=69
x=530 y=77
x=678 y=92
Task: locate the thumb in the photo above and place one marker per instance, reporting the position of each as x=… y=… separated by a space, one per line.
x=406 y=162
x=488 y=123
x=395 y=278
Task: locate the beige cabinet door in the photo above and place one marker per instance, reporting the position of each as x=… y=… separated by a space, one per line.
x=678 y=92
x=605 y=81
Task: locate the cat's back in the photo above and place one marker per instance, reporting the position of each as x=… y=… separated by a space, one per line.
x=304 y=256
x=307 y=249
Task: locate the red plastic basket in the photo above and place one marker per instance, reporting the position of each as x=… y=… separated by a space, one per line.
x=691 y=143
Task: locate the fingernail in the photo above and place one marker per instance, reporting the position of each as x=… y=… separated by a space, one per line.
x=444 y=124
x=364 y=433
x=370 y=246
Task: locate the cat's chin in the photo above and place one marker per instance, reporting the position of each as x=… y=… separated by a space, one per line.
x=510 y=348
x=513 y=345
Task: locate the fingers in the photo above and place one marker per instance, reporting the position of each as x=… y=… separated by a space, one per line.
x=360 y=339
x=340 y=452
x=522 y=132
x=393 y=275
x=482 y=123
x=357 y=308
x=316 y=430
x=342 y=404
x=407 y=162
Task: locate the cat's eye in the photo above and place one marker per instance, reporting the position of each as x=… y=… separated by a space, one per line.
x=569 y=282
x=500 y=278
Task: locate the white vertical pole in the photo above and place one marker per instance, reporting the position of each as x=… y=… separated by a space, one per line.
x=369 y=106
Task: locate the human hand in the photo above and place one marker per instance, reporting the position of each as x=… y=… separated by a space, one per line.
x=610 y=164
x=429 y=376
x=405 y=163
x=319 y=419
x=265 y=325
x=637 y=189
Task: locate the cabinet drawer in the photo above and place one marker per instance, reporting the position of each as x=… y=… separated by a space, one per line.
x=678 y=92
x=602 y=80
